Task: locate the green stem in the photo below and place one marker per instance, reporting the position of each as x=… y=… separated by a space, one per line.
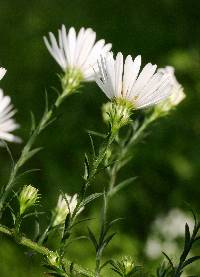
x=46 y=118
x=26 y=242
x=42 y=250
x=121 y=162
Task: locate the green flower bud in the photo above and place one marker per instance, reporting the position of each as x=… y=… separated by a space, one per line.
x=71 y=80
x=28 y=197
x=117 y=113
x=53 y=259
x=128 y=264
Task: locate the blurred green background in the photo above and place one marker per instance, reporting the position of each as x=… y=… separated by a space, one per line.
x=167 y=162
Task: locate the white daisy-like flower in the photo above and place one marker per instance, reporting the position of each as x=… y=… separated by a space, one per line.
x=2 y=72
x=7 y=123
x=64 y=207
x=177 y=94
x=123 y=80
x=77 y=51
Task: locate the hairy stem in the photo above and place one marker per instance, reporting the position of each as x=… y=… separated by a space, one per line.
x=22 y=240
x=124 y=152
x=25 y=154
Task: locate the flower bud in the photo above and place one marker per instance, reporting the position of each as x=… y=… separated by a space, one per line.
x=117 y=113
x=53 y=259
x=28 y=197
x=71 y=81
x=128 y=265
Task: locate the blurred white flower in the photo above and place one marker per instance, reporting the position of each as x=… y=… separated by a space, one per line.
x=7 y=123
x=2 y=72
x=77 y=51
x=122 y=80
x=177 y=93
x=64 y=207
x=165 y=232
x=173 y=225
x=155 y=246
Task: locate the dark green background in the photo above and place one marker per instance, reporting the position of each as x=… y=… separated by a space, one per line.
x=168 y=163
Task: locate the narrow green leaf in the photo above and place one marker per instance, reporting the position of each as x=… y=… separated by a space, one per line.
x=190 y=260
x=169 y=260
x=92 y=238
x=122 y=185
x=90 y=198
x=187 y=236
x=33 y=122
x=87 y=167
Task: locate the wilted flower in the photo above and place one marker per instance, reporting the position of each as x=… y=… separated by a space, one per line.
x=177 y=93
x=64 y=207
x=28 y=197
x=77 y=53
x=7 y=123
x=127 y=88
x=2 y=72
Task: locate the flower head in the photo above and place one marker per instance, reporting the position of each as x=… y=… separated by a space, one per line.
x=65 y=206
x=28 y=197
x=2 y=72
x=125 y=266
x=177 y=93
x=120 y=79
x=7 y=123
x=77 y=52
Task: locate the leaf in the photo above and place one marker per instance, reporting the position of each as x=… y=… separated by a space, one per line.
x=92 y=144
x=9 y=152
x=80 y=221
x=190 y=260
x=92 y=239
x=122 y=185
x=87 y=168
x=33 y=122
x=105 y=264
x=187 y=236
x=30 y=154
x=75 y=239
x=27 y=172
x=169 y=260
x=96 y=134
x=106 y=242
x=90 y=198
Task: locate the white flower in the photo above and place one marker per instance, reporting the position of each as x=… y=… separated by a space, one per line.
x=173 y=225
x=2 y=72
x=123 y=80
x=79 y=52
x=7 y=123
x=165 y=232
x=63 y=208
x=177 y=93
